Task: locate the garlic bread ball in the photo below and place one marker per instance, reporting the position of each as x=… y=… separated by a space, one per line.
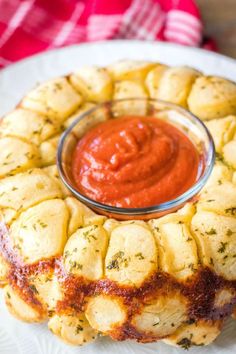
x=93 y=83
x=24 y=190
x=212 y=97
x=222 y=131
x=41 y=231
x=176 y=83
x=178 y=254
x=162 y=316
x=131 y=256
x=129 y=89
x=219 y=198
x=85 y=251
x=56 y=99
x=153 y=79
x=29 y=126
x=72 y=328
x=198 y=333
x=105 y=313
x=215 y=235
x=17 y=156
x=21 y=309
x=135 y=70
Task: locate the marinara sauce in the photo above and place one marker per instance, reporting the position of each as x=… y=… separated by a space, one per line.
x=134 y=162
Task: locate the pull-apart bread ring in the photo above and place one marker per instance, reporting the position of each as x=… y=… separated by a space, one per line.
x=170 y=279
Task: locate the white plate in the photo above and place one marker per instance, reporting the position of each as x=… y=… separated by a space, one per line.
x=20 y=338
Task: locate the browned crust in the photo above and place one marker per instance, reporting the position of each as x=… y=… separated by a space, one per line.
x=199 y=291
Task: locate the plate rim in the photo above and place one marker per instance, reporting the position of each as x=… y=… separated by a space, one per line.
x=118 y=42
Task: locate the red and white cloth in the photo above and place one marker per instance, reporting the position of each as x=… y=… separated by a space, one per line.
x=31 y=26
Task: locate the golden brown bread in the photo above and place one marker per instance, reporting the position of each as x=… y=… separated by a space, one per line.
x=93 y=83
x=175 y=84
x=212 y=97
x=173 y=278
x=56 y=99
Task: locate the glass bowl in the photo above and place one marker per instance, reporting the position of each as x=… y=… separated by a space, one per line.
x=173 y=114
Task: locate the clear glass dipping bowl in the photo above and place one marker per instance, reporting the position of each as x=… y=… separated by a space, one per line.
x=173 y=114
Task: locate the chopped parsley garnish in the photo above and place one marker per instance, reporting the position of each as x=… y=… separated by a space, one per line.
x=229 y=232
x=78 y=329
x=118 y=260
x=75 y=265
x=139 y=256
x=231 y=211
x=185 y=343
x=222 y=247
x=212 y=231
x=155 y=324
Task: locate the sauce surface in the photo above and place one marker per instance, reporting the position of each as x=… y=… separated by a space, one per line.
x=134 y=162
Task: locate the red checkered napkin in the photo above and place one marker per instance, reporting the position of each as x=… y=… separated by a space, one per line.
x=31 y=26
